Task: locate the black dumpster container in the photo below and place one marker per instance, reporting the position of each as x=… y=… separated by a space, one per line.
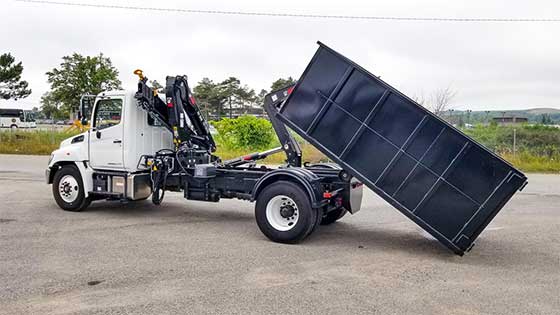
x=438 y=177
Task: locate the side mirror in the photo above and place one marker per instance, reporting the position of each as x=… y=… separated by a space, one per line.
x=98 y=134
x=84 y=121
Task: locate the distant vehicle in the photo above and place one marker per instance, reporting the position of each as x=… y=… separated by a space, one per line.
x=48 y=122
x=60 y=122
x=16 y=118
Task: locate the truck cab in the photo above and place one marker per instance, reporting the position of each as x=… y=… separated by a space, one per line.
x=105 y=161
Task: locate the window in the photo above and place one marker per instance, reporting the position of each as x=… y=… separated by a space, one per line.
x=107 y=113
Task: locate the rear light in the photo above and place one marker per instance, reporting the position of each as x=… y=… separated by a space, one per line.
x=327 y=195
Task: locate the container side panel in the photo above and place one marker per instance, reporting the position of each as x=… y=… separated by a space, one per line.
x=307 y=102
x=396 y=109
x=445 y=218
x=328 y=132
x=415 y=188
x=503 y=192
x=359 y=95
x=426 y=139
x=443 y=152
x=478 y=176
x=397 y=175
x=371 y=154
x=444 y=181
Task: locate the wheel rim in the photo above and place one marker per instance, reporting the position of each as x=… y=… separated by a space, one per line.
x=282 y=213
x=68 y=188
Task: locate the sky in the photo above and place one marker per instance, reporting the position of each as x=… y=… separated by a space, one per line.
x=491 y=66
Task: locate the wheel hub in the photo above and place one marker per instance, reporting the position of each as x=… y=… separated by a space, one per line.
x=68 y=188
x=287 y=211
x=282 y=213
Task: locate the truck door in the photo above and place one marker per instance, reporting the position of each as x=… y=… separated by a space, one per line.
x=106 y=134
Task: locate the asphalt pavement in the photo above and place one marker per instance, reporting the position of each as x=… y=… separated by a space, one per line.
x=188 y=257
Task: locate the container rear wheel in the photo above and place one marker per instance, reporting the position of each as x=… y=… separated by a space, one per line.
x=333 y=216
x=284 y=214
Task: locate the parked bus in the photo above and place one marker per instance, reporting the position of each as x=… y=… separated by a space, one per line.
x=16 y=118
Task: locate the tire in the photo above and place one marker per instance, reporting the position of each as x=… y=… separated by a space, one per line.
x=13 y=127
x=333 y=216
x=68 y=189
x=274 y=206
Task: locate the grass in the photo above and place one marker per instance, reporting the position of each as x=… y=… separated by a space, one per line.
x=533 y=164
x=537 y=146
x=33 y=142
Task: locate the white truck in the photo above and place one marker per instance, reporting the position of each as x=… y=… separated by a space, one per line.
x=141 y=144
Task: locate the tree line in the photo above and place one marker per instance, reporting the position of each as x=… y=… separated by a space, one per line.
x=79 y=75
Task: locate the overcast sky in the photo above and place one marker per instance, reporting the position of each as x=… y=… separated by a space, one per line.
x=490 y=65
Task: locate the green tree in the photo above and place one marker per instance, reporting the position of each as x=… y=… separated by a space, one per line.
x=78 y=75
x=11 y=84
x=259 y=99
x=236 y=96
x=230 y=93
x=546 y=120
x=208 y=97
x=282 y=83
x=49 y=107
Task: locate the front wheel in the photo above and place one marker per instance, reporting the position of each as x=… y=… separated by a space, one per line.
x=284 y=214
x=68 y=189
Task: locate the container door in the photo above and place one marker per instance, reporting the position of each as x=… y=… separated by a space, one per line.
x=106 y=134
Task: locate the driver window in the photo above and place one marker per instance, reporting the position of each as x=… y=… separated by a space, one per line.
x=107 y=113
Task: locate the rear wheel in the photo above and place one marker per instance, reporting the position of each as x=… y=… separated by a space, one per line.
x=333 y=216
x=284 y=214
x=68 y=189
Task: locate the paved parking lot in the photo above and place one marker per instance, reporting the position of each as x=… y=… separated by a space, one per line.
x=194 y=257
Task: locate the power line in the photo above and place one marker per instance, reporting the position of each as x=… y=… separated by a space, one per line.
x=291 y=15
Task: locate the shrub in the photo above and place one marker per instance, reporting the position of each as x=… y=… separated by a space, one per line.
x=244 y=132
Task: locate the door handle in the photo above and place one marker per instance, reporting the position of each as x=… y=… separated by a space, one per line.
x=117 y=141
